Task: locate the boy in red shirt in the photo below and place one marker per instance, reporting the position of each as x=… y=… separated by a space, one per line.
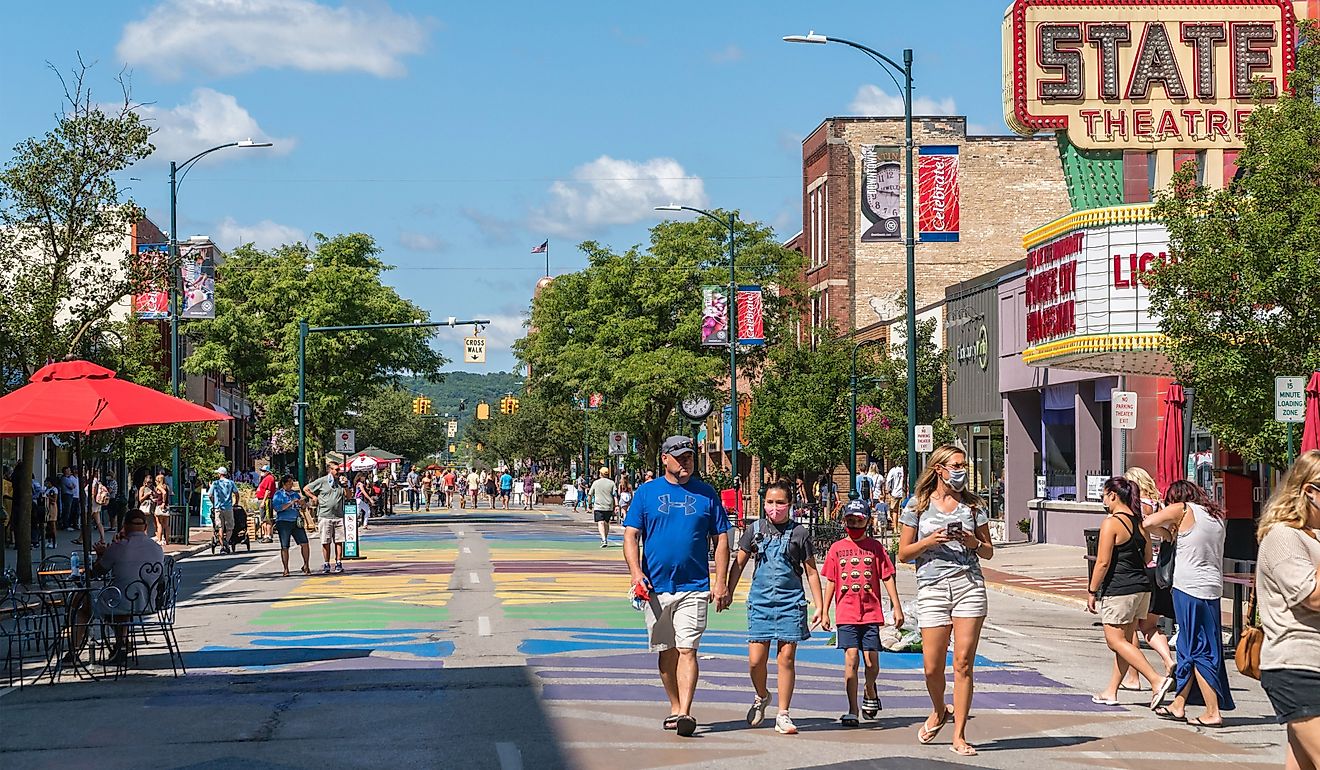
x=855 y=567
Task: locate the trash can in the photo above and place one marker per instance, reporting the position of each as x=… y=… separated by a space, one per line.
x=178 y=525
x=1092 y=549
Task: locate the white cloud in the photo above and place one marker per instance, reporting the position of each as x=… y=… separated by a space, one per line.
x=504 y=329
x=609 y=192
x=728 y=54
x=872 y=100
x=227 y=37
x=211 y=118
x=264 y=234
x=414 y=241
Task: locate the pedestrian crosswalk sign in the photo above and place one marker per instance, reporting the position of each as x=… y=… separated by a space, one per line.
x=474 y=350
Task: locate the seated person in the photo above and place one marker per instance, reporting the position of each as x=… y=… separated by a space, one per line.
x=123 y=559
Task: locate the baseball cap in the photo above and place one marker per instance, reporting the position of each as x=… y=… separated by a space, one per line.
x=265 y=468
x=222 y=471
x=676 y=445
x=857 y=508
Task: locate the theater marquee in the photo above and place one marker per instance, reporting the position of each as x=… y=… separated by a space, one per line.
x=1143 y=74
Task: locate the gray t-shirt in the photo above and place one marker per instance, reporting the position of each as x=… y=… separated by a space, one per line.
x=799 y=539
x=602 y=495
x=329 y=497
x=947 y=559
x=124 y=560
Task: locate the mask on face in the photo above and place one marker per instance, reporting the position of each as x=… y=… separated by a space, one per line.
x=777 y=512
x=856 y=533
x=957 y=480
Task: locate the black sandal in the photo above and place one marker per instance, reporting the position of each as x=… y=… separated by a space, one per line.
x=671 y=722
x=1163 y=712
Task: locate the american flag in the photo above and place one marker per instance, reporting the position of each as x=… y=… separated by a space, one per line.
x=543 y=248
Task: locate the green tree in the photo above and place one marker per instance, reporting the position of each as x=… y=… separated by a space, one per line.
x=884 y=430
x=629 y=325
x=63 y=261
x=260 y=298
x=385 y=419
x=1237 y=301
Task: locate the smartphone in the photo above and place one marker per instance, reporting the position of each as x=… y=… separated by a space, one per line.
x=955 y=530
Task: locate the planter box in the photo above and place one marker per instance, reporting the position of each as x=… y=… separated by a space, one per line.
x=552 y=498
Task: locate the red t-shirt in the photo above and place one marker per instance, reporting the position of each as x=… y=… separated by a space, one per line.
x=267 y=486
x=856 y=568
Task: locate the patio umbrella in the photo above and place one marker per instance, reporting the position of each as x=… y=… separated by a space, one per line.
x=80 y=397
x=363 y=463
x=1311 y=430
x=1170 y=456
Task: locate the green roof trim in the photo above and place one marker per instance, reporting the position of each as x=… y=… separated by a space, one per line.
x=1094 y=177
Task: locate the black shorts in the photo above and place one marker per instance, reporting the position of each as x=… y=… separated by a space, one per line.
x=863 y=636
x=603 y=515
x=1294 y=693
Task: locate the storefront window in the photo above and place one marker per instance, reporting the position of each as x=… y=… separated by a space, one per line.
x=1060 y=430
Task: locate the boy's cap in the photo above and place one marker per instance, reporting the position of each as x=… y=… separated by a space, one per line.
x=676 y=445
x=857 y=508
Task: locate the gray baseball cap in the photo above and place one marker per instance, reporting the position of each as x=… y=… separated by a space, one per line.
x=677 y=445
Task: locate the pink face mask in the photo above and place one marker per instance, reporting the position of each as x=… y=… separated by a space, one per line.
x=777 y=512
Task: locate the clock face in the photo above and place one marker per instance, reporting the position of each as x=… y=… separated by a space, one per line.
x=696 y=408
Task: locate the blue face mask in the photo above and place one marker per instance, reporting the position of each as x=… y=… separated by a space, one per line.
x=957 y=480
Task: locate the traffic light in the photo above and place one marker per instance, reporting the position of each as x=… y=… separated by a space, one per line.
x=452 y=449
x=483 y=411
x=417 y=405
x=421 y=405
x=513 y=405
x=508 y=405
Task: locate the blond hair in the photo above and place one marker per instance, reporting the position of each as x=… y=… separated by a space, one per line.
x=930 y=477
x=1144 y=482
x=1289 y=505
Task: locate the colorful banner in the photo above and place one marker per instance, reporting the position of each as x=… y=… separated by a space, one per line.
x=153 y=305
x=881 y=188
x=197 y=261
x=714 y=315
x=751 y=316
x=937 y=185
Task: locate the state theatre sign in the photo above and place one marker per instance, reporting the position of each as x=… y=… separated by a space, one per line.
x=1144 y=74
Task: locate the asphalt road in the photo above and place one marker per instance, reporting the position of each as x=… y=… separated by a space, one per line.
x=494 y=639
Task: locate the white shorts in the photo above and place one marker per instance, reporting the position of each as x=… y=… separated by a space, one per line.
x=676 y=620
x=959 y=596
x=330 y=528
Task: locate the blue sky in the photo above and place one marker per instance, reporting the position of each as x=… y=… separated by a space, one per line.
x=461 y=135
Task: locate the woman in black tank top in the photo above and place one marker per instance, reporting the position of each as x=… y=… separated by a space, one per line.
x=1121 y=586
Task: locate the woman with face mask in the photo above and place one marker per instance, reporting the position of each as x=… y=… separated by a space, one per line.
x=1288 y=589
x=947 y=533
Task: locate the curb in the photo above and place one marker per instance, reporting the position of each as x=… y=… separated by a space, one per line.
x=1022 y=591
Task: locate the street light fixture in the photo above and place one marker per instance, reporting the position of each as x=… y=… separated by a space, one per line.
x=910 y=240
x=176 y=278
x=733 y=336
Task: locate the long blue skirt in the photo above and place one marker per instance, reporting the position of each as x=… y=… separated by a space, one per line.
x=1200 y=648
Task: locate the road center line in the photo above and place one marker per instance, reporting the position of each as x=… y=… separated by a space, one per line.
x=509 y=755
x=474 y=578
x=212 y=589
x=467 y=550
x=483 y=626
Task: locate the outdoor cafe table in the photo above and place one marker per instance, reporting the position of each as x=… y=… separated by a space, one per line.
x=50 y=599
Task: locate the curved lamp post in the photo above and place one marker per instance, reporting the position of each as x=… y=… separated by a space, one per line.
x=733 y=336
x=891 y=68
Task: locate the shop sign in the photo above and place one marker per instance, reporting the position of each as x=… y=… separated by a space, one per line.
x=1090 y=281
x=1144 y=74
x=978 y=351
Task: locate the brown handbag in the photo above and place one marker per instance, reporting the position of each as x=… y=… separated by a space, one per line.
x=1247 y=656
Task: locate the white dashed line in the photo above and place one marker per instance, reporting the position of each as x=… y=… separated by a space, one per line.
x=467 y=550
x=509 y=755
x=483 y=626
x=1003 y=630
x=474 y=578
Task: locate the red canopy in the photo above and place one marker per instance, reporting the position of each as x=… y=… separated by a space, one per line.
x=1311 y=431
x=1170 y=457
x=80 y=397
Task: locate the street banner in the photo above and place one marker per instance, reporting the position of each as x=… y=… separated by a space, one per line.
x=937 y=185
x=751 y=316
x=474 y=350
x=618 y=443
x=714 y=315
x=595 y=401
x=345 y=440
x=351 y=531
x=881 y=172
x=197 y=261
x=155 y=303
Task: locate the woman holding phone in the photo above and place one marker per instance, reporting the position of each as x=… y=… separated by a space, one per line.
x=947 y=533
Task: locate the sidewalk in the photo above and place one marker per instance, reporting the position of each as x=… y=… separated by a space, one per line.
x=199 y=540
x=1041 y=570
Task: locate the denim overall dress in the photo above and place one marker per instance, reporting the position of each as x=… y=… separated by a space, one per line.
x=776 y=605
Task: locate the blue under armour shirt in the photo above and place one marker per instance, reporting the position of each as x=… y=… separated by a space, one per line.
x=676 y=523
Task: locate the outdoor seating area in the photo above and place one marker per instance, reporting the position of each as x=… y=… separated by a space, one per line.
x=68 y=624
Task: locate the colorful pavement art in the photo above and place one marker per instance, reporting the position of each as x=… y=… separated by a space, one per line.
x=381 y=613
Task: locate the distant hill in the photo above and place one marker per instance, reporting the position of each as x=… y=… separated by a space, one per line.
x=466 y=385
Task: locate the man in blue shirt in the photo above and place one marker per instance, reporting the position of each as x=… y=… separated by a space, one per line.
x=676 y=518
x=506 y=488
x=222 y=494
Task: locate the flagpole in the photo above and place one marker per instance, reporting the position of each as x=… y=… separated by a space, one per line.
x=547 y=257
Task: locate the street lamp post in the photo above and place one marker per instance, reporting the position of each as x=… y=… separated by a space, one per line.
x=733 y=336
x=852 y=426
x=176 y=278
x=910 y=238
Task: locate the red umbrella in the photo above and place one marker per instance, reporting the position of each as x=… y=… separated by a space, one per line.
x=80 y=397
x=1170 y=457
x=1311 y=431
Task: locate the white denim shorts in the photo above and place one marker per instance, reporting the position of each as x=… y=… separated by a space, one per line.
x=676 y=621
x=959 y=596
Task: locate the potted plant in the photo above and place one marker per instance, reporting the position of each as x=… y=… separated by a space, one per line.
x=1024 y=526
x=552 y=487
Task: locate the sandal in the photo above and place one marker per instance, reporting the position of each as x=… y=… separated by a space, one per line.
x=306 y=570
x=1196 y=722
x=686 y=725
x=1096 y=699
x=1162 y=692
x=870 y=707
x=1163 y=712
x=965 y=750
x=926 y=734
x=286 y=573
x=671 y=722
x=848 y=720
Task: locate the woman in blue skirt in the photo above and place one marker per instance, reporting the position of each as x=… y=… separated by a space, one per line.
x=1196 y=526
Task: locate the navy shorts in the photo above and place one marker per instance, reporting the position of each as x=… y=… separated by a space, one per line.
x=289 y=530
x=863 y=636
x=1294 y=693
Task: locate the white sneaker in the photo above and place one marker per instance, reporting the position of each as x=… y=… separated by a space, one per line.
x=784 y=724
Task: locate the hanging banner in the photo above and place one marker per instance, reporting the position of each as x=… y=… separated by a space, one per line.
x=937 y=184
x=197 y=261
x=714 y=315
x=751 y=316
x=153 y=305
x=881 y=172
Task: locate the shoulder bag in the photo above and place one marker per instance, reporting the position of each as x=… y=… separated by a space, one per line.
x=1247 y=655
